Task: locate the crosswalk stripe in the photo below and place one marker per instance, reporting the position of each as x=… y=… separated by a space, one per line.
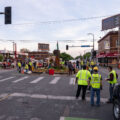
x=37 y=80
x=55 y=80
x=72 y=81
x=20 y=79
x=6 y=79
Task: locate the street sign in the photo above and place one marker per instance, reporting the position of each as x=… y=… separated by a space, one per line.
x=85 y=46
x=111 y=22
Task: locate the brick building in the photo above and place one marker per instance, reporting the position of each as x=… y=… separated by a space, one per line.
x=42 y=53
x=108 y=49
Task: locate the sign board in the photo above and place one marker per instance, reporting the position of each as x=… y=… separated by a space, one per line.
x=85 y=46
x=111 y=22
x=106 y=45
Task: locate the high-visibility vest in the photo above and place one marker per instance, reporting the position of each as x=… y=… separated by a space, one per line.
x=19 y=64
x=26 y=66
x=83 y=76
x=114 y=77
x=87 y=63
x=95 y=81
x=92 y=63
x=30 y=63
x=81 y=62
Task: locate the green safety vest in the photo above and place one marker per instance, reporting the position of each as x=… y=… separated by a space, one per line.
x=114 y=79
x=83 y=76
x=95 y=81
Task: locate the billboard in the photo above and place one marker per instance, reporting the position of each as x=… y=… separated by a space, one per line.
x=111 y=22
x=43 y=46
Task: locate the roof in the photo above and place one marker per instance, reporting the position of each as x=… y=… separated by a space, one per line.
x=109 y=33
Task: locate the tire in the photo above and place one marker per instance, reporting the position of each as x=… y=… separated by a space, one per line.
x=116 y=110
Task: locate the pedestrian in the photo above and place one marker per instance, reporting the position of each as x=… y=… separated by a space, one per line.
x=112 y=79
x=96 y=85
x=81 y=63
x=70 y=67
x=19 y=66
x=82 y=78
x=26 y=67
x=77 y=64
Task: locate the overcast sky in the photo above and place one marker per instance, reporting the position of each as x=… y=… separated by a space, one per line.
x=37 y=11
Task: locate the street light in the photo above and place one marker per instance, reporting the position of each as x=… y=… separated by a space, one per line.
x=93 y=39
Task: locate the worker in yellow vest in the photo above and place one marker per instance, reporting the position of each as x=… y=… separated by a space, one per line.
x=30 y=66
x=82 y=78
x=81 y=63
x=96 y=85
x=112 y=79
x=19 y=66
x=26 y=67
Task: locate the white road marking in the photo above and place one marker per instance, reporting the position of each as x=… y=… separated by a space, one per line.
x=20 y=79
x=6 y=79
x=37 y=80
x=72 y=81
x=55 y=80
x=50 y=97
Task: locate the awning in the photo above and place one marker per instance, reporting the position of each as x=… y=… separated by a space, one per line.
x=103 y=55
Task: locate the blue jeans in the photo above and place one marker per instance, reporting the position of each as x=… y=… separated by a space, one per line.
x=93 y=91
x=111 y=87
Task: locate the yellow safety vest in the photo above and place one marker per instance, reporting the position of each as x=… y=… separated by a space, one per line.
x=30 y=63
x=95 y=81
x=19 y=64
x=87 y=63
x=83 y=76
x=26 y=66
x=92 y=63
x=114 y=79
x=81 y=62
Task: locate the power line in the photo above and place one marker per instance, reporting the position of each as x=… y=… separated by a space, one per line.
x=5 y=40
x=61 y=21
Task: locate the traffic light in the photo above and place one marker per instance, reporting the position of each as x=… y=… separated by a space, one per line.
x=94 y=53
x=7 y=15
x=67 y=47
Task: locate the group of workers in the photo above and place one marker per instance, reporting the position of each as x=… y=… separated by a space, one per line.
x=84 y=79
x=27 y=66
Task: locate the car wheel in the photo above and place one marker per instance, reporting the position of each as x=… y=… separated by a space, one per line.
x=116 y=110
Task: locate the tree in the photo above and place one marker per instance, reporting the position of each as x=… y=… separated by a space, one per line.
x=87 y=55
x=79 y=57
x=24 y=50
x=66 y=57
x=1 y=58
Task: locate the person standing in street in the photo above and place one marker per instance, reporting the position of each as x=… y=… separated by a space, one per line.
x=19 y=66
x=70 y=67
x=112 y=79
x=96 y=85
x=81 y=64
x=82 y=78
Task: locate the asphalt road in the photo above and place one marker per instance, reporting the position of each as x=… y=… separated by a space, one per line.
x=44 y=97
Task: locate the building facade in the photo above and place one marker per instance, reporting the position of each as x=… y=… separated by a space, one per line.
x=42 y=53
x=108 y=49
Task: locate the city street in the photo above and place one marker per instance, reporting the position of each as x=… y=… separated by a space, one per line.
x=44 y=97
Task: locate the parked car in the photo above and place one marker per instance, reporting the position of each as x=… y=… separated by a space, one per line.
x=116 y=102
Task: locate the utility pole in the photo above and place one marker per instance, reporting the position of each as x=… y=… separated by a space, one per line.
x=119 y=44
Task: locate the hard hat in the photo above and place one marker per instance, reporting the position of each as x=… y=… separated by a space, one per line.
x=95 y=68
